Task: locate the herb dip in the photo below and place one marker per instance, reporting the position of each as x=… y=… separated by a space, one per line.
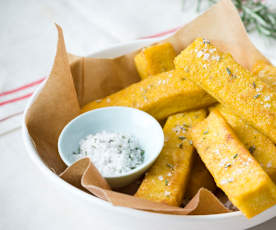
x=112 y=153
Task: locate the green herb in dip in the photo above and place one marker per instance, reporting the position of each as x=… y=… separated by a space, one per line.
x=113 y=154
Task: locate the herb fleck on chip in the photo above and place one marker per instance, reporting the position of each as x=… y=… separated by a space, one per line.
x=257 y=96
x=170 y=166
x=252 y=149
x=205 y=41
x=227 y=165
x=235 y=156
x=254 y=84
x=186 y=126
x=205 y=132
x=166 y=182
x=182 y=138
x=181 y=146
x=228 y=71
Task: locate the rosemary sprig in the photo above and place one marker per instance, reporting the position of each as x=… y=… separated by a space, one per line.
x=255 y=14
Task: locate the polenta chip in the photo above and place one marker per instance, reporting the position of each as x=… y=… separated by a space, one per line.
x=161 y=95
x=260 y=146
x=166 y=181
x=233 y=86
x=234 y=169
x=155 y=59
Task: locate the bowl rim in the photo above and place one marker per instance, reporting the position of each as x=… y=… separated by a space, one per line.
x=141 y=167
x=33 y=154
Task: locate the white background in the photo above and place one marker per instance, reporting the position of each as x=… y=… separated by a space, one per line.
x=28 y=200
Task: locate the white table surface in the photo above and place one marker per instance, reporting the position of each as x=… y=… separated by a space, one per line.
x=28 y=200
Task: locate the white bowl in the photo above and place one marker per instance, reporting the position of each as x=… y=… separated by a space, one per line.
x=120 y=119
x=103 y=213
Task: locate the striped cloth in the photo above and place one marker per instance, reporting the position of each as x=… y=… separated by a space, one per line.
x=12 y=104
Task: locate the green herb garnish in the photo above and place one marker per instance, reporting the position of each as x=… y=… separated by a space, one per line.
x=170 y=166
x=181 y=146
x=252 y=149
x=256 y=16
x=78 y=151
x=182 y=138
x=187 y=126
x=235 y=156
x=228 y=71
x=205 y=41
x=227 y=165
x=257 y=96
x=166 y=182
x=142 y=153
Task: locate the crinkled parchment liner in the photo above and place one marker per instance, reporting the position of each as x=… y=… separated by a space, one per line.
x=75 y=81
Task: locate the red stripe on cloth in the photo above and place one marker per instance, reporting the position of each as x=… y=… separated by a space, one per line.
x=162 y=33
x=11 y=116
x=22 y=87
x=15 y=99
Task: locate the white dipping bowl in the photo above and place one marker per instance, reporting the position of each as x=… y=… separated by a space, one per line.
x=101 y=214
x=118 y=119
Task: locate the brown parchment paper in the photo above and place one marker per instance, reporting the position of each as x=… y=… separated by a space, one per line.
x=74 y=81
x=84 y=174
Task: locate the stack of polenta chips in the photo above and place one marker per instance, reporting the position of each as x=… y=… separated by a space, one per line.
x=232 y=147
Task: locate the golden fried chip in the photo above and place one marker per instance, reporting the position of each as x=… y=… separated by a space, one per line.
x=155 y=59
x=234 y=169
x=232 y=85
x=260 y=146
x=161 y=95
x=166 y=181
